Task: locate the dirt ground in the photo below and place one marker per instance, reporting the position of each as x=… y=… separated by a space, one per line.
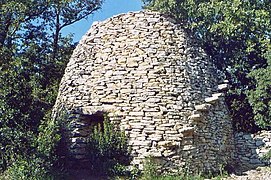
x=260 y=173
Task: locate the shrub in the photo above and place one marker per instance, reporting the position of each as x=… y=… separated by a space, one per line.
x=267 y=156
x=108 y=150
x=40 y=163
x=14 y=142
x=28 y=169
x=48 y=138
x=150 y=170
x=260 y=96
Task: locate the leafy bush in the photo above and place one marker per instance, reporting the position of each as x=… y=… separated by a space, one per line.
x=14 y=142
x=48 y=137
x=27 y=169
x=260 y=96
x=267 y=156
x=108 y=150
x=151 y=171
x=42 y=160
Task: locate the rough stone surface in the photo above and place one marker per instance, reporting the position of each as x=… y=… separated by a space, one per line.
x=260 y=173
x=154 y=82
x=251 y=149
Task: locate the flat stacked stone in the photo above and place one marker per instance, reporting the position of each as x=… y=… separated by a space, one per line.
x=156 y=84
x=252 y=149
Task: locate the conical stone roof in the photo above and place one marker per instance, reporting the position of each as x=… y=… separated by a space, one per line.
x=156 y=84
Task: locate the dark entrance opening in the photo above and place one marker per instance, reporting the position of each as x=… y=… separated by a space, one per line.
x=94 y=119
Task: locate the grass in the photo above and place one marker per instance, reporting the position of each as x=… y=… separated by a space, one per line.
x=151 y=171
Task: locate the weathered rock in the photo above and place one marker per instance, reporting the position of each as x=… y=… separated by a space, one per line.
x=212 y=100
x=203 y=107
x=146 y=73
x=197 y=118
x=166 y=144
x=223 y=86
x=251 y=148
x=187 y=132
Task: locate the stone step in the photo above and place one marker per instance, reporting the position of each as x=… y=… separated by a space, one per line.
x=215 y=97
x=187 y=131
x=222 y=87
x=196 y=117
x=203 y=107
x=212 y=99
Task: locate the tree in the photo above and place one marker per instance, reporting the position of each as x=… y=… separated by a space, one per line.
x=13 y=14
x=260 y=96
x=33 y=56
x=236 y=34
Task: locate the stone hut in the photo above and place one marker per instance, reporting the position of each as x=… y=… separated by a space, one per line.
x=154 y=83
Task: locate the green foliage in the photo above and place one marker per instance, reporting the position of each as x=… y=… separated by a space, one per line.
x=267 y=156
x=41 y=164
x=260 y=96
x=108 y=150
x=49 y=135
x=27 y=168
x=151 y=171
x=236 y=34
x=33 y=55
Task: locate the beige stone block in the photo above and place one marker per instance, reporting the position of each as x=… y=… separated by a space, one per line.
x=126 y=127
x=196 y=117
x=108 y=108
x=223 y=86
x=155 y=137
x=167 y=125
x=152 y=114
x=187 y=131
x=203 y=107
x=140 y=143
x=166 y=144
x=131 y=63
x=122 y=60
x=153 y=154
x=108 y=100
x=168 y=153
x=212 y=99
x=121 y=39
x=171 y=132
x=189 y=147
x=136 y=113
x=154 y=100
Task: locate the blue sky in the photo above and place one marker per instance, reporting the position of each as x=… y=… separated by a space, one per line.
x=109 y=8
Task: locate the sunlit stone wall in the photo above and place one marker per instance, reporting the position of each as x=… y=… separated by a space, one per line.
x=156 y=84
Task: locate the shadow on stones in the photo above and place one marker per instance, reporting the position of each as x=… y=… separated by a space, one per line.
x=85 y=161
x=250 y=149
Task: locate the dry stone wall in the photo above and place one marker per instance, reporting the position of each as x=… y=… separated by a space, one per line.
x=156 y=84
x=252 y=149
